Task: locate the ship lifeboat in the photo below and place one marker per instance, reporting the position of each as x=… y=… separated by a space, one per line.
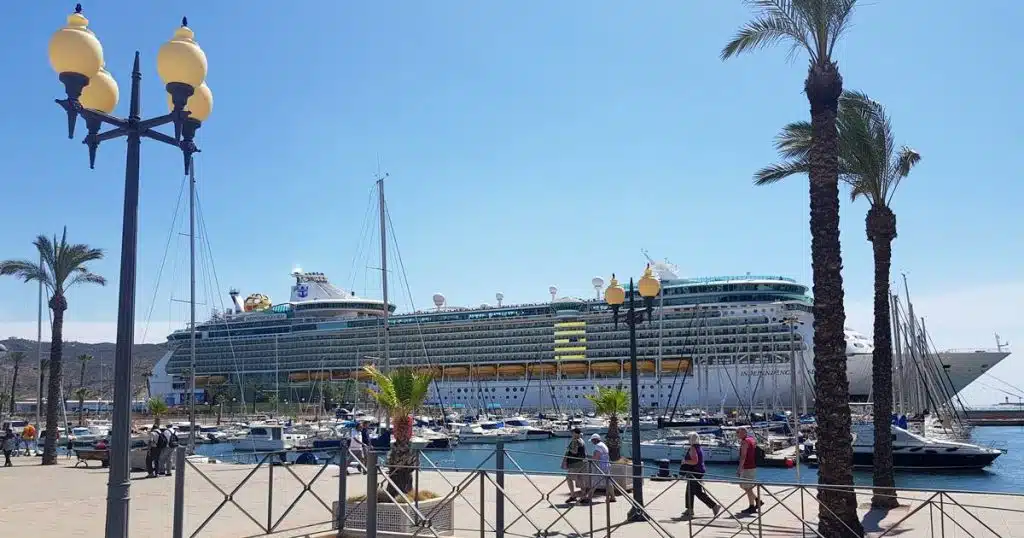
x=606 y=367
x=320 y=376
x=360 y=375
x=434 y=372
x=298 y=376
x=339 y=375
x=202 y=380
x=484 y=371
x=456 y=371
x=676 y=365
x=645 y=367
x=573 y=368
x=216 y=380
x=512 y=370
x=542 y=369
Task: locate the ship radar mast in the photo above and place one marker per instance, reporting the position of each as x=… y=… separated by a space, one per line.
x=598 y=283
x=553 y=291
x=499 y=297
x=438 y=301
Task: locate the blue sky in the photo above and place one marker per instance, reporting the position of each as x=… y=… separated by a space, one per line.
x=529 y=144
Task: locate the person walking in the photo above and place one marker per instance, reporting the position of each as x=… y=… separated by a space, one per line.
x=8 y=444
x=747 y=470
x=602 y=475
x=693 y=469
x=167 y=453
x=28 y=436
x=575 y=464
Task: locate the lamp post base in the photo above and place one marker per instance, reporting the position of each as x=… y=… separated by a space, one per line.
x=637 y=515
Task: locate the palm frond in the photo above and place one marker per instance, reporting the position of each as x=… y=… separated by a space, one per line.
x=906 y=160
x=401 y=391
x=763 y=32
x=610 y=401
x=812 y=25
x=794 y=141
x=778 y=171
x=27 y=271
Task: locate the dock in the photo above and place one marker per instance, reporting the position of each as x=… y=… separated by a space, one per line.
x=70 y=502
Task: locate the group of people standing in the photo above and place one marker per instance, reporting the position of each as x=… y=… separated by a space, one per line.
x=161 y=443
x=588 y=474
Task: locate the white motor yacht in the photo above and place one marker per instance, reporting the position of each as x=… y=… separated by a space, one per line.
x=486 y=432
x=265 y=438
x=674 y=448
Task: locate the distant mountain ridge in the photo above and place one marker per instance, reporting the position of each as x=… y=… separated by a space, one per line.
x=98 y=372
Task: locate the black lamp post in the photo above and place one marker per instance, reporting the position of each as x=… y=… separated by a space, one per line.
x=615 y=296
x=77 y=57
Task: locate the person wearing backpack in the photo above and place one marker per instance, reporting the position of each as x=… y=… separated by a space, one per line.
x=167 y=453
x=161 y=447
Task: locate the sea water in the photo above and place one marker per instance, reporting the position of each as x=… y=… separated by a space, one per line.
x=1006 y=474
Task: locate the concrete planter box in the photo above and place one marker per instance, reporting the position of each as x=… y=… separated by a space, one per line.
x=621 y=471
x=395 y=518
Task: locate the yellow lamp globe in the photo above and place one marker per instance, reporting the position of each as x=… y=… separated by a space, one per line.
x=101 y=94
x=74 y=48
x=200 y=104
x=649 y=286
x=614 y=294
x=181 y=60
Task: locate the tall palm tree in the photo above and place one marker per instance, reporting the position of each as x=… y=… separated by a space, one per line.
x=63 y=267
x=873 y=167
x=611 y=402
x=815 y=26
x=81 y=393
x=400 y=392
x=16 y=358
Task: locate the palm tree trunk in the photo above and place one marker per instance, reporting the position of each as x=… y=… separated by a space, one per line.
x=81 y=408
x=881 y=230
x=58 y=304
x=402 y=459
x=614 y=440
x=14 y=386
x=823 y=86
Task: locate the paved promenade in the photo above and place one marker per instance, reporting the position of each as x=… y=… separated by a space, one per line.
x=61 y=501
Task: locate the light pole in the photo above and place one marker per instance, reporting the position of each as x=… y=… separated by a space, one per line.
x=77 y=57
x=615 y=296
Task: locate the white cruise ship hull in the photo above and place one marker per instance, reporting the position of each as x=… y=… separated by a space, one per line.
x=754 y=387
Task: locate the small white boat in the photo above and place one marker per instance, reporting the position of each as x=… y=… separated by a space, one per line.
x=673 y=448
x=485 y=433
x=266 y=438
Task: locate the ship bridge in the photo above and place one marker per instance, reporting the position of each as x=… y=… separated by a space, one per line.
x=313 y=295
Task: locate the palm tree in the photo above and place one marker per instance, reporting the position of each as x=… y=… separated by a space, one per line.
x=815 y=27
x=81 y=393
x=157 y=408
x=870 y=163
x=63 y=267
x=611 y=402
x=400 y=392
x=83 y=359
x=16 y=357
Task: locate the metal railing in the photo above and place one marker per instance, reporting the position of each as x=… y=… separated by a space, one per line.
x=499 y=498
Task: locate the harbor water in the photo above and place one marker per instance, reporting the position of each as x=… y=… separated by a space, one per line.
x=1006 y=474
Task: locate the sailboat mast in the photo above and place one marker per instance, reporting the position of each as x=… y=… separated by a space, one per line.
x=192 y=305
x=39 y=353
x=384 y=267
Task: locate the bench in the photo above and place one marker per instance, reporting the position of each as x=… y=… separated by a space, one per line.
x=85 y=455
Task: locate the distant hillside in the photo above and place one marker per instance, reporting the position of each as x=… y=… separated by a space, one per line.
x=98 y=372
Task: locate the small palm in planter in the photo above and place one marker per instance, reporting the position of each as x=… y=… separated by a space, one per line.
x=611 y=402
x=401 y=392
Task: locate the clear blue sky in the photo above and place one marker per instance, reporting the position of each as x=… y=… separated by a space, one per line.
x=528 y=144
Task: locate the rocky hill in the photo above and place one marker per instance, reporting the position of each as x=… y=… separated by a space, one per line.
x=98 y=372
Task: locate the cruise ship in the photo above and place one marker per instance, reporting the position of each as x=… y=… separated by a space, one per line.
x=717 y=342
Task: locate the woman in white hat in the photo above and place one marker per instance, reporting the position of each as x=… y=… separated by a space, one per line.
x=602 y=475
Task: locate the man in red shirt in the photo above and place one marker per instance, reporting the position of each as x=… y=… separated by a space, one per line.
x=747 y=470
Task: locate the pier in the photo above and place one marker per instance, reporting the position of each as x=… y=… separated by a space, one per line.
x=220 y=500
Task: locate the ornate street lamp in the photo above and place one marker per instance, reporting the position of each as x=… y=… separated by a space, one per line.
x=649 y=287
x=92 y=94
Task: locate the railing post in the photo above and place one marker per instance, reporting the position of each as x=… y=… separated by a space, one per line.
x=371 y=494
x=179 y=492
x=342 y=483
x=760 y=522
x=483 y=504
x=270 y=498
x=499 y=475
x=942 y=515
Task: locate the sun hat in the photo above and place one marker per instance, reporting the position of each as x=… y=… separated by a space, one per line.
x=595 y=437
